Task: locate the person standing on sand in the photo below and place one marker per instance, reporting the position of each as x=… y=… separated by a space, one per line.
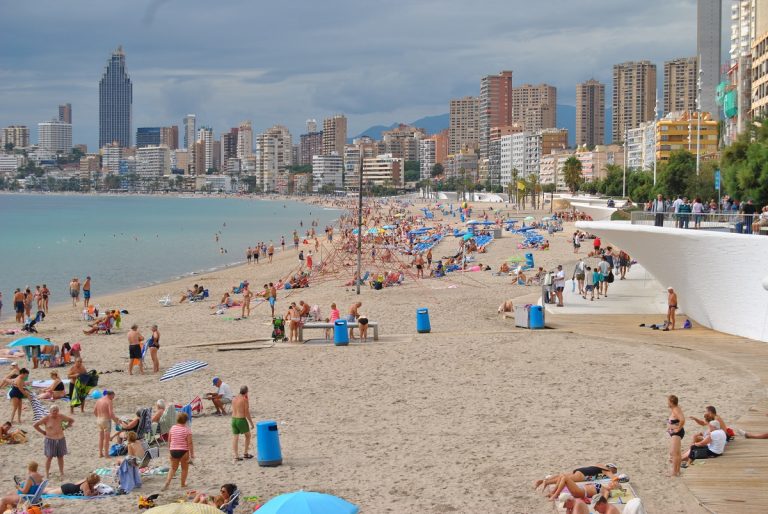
x=248 y=255
x=241 y=423
x=282 y=243
x=181 y=449
x=74 y=291
x=295 y=240
x=45 y=292
x=247 y=295
x=154 y=346
x=28 y=298
x=270 y=251
x=676 y=431
x=309 y=260
x=354 y=313
x=18 y=305
x=671 y=308
x=272 y=298
x=104 y=411
x=87 y=292
x=55 y=444
x=134 y=349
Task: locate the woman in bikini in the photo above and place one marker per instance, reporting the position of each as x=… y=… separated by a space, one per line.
x=676 y=432
x=581 y=474
x=85 y=487
x=55 y=390
x=29 y=486
x=584 y=489
x=18 y=392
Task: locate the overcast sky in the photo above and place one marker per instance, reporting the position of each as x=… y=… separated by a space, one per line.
x=284 y=62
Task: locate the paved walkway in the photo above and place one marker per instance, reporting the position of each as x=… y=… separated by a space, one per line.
x=639 y=293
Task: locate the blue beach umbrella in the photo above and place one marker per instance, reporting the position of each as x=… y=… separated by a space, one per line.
x=304 y=502
x=29 y=341
x=467 y=237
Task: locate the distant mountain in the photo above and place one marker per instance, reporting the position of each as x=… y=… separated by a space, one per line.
x=566 y=118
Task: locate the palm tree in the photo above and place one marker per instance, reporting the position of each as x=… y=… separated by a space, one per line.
x=572 y=173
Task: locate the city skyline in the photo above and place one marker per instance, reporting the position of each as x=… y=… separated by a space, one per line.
x=370 y=80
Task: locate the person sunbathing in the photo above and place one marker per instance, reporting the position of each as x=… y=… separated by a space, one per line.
x=521 y=278
x=710 y=413
x=581 y=474
x=85 y=487
x=121 y=431
x=226 y=490
x=100 y=324
x=585 y=490
x=159 y=410
x=504 y=268
x=29 y=486
x=55 y=390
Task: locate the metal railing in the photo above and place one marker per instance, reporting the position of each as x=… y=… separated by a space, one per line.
x=720 y=221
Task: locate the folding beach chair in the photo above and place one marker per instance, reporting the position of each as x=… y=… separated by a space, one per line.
x=34 y=499
x=231 y=505
x=164 y=425
x=165 y=301
x=144 y=428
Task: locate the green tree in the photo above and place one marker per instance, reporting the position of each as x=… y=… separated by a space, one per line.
x=677 y=172
x=572 y=173
x=745 y=164
x=112 y=182
x=303 y=168
x=612 y=185
x=412 y=175
x=437 y=170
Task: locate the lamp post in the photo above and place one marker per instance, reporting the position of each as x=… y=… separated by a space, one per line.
x=626 y=158
x=698 y=119
x=360 y=224
x=655 y=120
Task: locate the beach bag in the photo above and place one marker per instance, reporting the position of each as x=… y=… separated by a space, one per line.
x=117 y=450
x=609 y=278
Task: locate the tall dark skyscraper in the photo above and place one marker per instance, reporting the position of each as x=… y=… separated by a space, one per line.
x=115 y=100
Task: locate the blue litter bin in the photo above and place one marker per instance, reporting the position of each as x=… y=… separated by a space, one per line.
x=529 y=260
x=536 y=317
x=268 y=444
x=340 y=332
x=422 y=321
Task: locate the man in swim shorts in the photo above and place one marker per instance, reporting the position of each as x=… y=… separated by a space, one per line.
x=87 y=292
x=134 y=349
x=55 y=444
x=241 y=423
x=105 y=415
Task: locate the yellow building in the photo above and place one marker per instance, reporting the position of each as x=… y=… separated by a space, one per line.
x=678 y=131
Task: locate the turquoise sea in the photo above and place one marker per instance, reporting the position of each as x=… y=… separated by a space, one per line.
x=125 y=242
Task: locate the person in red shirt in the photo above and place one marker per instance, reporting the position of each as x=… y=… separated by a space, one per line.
x=597 y=244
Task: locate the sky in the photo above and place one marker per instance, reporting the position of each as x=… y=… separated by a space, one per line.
x=284 y=62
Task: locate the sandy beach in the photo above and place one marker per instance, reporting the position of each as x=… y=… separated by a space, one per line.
x=459 y=420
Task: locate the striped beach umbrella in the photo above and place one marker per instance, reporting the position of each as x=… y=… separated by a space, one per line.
x=182 y=368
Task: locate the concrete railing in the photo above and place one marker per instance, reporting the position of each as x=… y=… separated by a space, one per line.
x=725 y=222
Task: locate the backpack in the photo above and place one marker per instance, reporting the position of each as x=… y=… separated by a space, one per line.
x=609 y=277
x=118 y=449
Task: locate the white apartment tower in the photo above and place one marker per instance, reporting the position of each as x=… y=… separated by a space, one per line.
x=55 y=136
x=244 y=140
x=190 y=131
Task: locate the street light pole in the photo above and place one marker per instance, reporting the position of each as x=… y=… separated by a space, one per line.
x=698 y=119
x=360 y=224
x=626 y=158
x=655 y=121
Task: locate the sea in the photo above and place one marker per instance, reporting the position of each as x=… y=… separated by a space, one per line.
x=132 y=241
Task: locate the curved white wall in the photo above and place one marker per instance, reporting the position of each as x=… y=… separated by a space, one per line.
x=596 y=212
x=718 y=276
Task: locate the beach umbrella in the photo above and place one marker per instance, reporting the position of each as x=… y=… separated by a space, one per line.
x=184 y=508
x=373 y=230
x=389 y=227
x=529 y=218
x=182 y=368
x=467 y=237
x=29 y=341
x=304 y=502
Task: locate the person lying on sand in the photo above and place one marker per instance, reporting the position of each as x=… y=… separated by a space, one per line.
x=226 y=492
x=585 y=490
x=581 y=474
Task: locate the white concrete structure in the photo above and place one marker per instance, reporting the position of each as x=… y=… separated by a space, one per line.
x=383 y=170
x=327 y=170
x=641 y=146
x=55 y=136
x=426 y=157
x=153 y=162
x=718 y=276
x=110 y=159
x=9 y=163
x=596 y=212
x=244 y=140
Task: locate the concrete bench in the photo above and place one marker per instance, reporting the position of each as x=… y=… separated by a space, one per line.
x=350 y=324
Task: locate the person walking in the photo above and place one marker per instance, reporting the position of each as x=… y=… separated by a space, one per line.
x=181 y=448
x=52 y=427
x=241 y=424
x=74 y=291
x=659 y=208
x=559 y=284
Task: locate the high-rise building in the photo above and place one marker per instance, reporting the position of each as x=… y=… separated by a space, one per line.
x=55 y=136
x=534 y=107
x=190 y=131
x=641 y=146
x=679 y=131
x=327 y=170
x=744 y=15
x=310 y=144
x=115 y=102
x=273 y=156
x=169 y=136
x=229 y=146
x=153 y=162
x=311 y=125
x=708 y=48
x=680 y=84
x=334 y=134
x=634 y=96
x=383 y=170
x=65 y=113
x=402 y=142
x=244 y=140
x=760 y=76
x=495 y=109
x=590 y=113
x=16 y=135
x=111 y=154
x=463 y=132
x=147 y=136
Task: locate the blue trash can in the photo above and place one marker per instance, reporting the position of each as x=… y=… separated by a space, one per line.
x=422 y=321
x=536 y=317
x=340 y=332
x=268 y=444
x=529 y=260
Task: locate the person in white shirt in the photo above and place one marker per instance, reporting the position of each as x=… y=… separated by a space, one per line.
x=605 y=268
x=710 y=446
x=559 y=285
x=676 y=209
x=221 y=397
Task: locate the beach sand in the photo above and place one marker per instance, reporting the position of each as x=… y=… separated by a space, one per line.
x=459 y=420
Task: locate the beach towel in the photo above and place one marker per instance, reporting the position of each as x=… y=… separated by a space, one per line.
x=38 y=411
x=128 y=476
x=145 y=423
x=83 y=385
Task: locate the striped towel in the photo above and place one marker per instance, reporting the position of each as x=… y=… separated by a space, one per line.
x=39 y=412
